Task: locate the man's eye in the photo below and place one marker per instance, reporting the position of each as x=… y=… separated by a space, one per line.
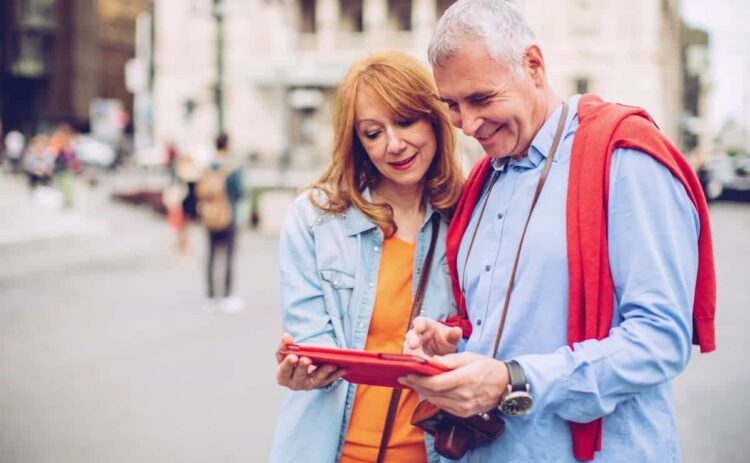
x=406 y=122
x=479 y=100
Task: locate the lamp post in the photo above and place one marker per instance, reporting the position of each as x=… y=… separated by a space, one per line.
x=218 y=14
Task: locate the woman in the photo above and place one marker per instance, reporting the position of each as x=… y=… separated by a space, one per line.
x=351 y=256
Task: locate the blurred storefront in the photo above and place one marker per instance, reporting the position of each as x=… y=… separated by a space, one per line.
x=274 y=64
x=57 y=56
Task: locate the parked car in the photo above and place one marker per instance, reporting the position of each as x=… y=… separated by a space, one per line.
x=726 y=177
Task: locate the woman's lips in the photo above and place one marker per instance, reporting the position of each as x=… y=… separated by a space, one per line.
x=403 y=164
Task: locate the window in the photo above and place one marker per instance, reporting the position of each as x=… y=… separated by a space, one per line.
x=306 y=18
x=399 y=15
x=351 y=15
x=40 y=12
x=581 y=85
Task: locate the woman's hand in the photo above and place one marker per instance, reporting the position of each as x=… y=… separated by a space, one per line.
x=298 y=373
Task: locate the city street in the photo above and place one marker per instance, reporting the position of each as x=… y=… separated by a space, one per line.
x=108 y=354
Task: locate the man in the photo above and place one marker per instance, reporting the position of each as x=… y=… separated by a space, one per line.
x=614 y=277
x=219 y=191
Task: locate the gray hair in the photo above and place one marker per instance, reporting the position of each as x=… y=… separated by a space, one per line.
x=503 y=30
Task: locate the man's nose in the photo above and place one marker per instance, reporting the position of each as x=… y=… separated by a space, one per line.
x=468 y=121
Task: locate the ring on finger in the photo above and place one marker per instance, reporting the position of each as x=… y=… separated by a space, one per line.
x=313 y=383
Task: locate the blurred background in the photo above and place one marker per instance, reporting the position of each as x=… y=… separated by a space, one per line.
x=107 y=351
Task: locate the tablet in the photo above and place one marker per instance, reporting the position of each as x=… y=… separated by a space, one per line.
x=373 y=368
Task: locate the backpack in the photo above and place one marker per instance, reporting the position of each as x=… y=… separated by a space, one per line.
x=214 y=209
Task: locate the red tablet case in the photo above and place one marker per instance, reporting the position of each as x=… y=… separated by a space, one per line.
x=373 y=368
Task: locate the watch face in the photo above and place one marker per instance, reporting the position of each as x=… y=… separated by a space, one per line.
x=516 y=403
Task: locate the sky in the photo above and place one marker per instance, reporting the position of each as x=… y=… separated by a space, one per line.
x=728 y=25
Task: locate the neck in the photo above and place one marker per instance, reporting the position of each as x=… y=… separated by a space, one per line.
x=403 y=199
x=549 y=101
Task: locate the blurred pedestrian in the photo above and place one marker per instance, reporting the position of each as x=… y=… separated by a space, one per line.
x=15 y=143
x=39 y=162
x=583 y=238
x=354 y=251
x=218 y=192
x=187 y=174
x=67 y=166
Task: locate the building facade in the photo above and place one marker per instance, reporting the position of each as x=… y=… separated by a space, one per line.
x=56 y=56
x=281 y=60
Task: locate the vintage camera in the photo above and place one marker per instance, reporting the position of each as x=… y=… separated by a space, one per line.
x=454 y=435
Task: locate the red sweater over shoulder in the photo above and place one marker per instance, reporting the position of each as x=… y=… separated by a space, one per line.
x=603 y=127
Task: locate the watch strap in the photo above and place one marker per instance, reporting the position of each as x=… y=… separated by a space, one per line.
x=516 y=377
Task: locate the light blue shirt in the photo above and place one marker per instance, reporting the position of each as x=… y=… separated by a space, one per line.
x=626 y=378
x=329 y=268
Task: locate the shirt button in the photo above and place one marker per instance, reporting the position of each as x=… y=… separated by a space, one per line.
x=371 y=284
x=499 y=215
x=361 y=325
x=376 y=249
x=479 y=322
x=488 y=267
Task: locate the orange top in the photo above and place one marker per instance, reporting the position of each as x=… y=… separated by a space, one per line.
x=390 y=318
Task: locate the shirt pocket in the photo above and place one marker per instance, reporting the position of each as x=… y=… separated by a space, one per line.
x=338 y=287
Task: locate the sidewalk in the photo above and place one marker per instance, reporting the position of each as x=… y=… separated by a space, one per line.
x=25 y=220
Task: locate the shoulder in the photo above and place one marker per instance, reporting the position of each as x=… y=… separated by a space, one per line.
x=305 y=208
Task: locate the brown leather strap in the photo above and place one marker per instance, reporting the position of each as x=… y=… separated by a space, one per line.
x=416 y=307
x=539 y=186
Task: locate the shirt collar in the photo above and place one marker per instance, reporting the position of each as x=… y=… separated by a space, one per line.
x=542 y=141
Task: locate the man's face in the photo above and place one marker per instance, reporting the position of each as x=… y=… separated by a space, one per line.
x=503 y=111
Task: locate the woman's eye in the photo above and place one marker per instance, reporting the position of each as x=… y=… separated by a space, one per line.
x=372 y=135
x=406 y=122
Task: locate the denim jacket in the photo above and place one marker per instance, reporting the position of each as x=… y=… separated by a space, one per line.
x=329 y=267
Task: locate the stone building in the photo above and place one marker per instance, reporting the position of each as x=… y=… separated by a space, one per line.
x=281 y=59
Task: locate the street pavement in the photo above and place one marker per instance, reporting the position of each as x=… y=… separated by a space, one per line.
x=108 y=354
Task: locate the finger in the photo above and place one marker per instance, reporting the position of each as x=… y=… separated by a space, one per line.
x=454 y=335
x=286 y=339
x=419 y=324
x=285 y=370
x=331 y=376
x=299 y=377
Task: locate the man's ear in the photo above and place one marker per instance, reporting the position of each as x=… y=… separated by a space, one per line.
x=534 y=63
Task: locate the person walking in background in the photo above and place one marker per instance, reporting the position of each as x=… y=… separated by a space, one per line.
x=595 y=296
x=15 y=143
x=187 y=174
x=218 y=192
x=39 y=162
x=67 y=165
x=354 y=249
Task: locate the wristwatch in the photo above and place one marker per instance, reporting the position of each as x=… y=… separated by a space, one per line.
x=517 y=398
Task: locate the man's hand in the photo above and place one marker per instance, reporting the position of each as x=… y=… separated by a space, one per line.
x=474 y=385
x=428 y=337
x=298 y=373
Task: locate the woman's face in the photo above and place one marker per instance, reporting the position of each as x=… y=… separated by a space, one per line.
x=401 y=149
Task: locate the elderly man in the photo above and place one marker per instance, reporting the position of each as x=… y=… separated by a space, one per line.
x=580 y=254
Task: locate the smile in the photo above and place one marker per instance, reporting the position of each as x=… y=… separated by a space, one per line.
x=490 y=134
x=403 y=164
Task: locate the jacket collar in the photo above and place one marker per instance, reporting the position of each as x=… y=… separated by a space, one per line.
x=357 y=222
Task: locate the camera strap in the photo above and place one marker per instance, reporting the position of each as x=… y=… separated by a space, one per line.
x=415 y=309
x=539 y=186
